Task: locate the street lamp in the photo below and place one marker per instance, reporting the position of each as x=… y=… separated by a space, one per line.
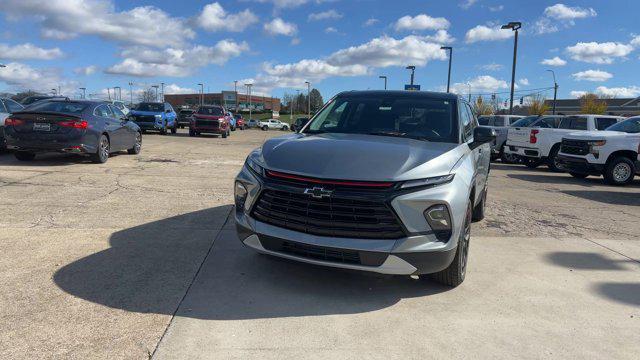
x=249 y=95
x=84 y=92
x=385 y=80
x=555 y=90
x=130 y=93
x=162 y=85
x=308 y=99
x=413 y=72
x=155 y=87
x=235 y=88
x=119 y=92
x=201 y=94
x=450 y=59
x=514 y=26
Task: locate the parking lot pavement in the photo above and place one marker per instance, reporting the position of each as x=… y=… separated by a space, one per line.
x=97 y=258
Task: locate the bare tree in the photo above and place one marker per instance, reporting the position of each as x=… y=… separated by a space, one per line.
x=147 y=95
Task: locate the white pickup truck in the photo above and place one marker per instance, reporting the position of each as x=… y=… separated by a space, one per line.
x=272 y=124
x=540 y=142
x=613 y=153
x=501 y=124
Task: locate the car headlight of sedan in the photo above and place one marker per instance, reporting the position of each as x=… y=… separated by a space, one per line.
x=432 y=181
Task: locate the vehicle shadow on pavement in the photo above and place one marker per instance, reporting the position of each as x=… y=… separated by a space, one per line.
x=627 y=293
x=607 y=197
x=148 y=269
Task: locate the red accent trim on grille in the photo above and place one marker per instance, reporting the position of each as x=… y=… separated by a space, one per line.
x=329 y=182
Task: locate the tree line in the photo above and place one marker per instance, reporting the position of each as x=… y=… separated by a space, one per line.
x=299 y=102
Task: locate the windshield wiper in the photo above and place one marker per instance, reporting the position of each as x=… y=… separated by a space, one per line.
x=397 y=134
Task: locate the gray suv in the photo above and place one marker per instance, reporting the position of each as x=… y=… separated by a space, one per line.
x=381 y=181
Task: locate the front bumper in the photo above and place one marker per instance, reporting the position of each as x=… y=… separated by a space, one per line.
x=522 y=151
x=150 y=126
x=207 y=130
x=579 y=165
x=419 y=252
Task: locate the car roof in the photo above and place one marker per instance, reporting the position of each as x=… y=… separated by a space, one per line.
x=399 y=93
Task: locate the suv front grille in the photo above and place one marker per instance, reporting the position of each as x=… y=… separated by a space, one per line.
x=331 y=216
x=207 y=123
x=574 y=147
x=144 y=118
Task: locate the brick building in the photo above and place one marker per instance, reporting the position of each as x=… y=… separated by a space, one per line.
x=226 y=98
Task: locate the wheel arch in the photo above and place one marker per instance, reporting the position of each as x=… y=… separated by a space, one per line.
x=632 y=155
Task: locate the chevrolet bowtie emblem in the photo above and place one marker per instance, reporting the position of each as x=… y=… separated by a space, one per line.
x=318 y=192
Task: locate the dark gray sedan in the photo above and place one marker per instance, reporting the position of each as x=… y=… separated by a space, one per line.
x=92 y=128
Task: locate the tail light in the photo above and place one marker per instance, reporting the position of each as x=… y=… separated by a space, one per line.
x=75 y=124
x=532 y=137
x=13 y=122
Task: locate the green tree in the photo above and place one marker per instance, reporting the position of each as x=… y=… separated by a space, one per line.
x=591 y=104
x=316 y=100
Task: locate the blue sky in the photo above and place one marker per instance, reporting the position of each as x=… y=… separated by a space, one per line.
x=335 y=44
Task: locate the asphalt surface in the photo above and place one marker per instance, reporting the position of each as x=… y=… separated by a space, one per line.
x=138 y=258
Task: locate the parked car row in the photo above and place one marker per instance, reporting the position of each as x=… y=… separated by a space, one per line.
x=581 y=145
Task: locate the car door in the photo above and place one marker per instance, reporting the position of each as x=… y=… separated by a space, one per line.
x=105 y=115
x=126 y=132
x=468 y=123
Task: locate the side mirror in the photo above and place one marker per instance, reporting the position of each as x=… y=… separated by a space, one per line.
x=482 y=135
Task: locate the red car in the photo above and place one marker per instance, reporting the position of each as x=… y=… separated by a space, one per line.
x=210 y=119
x=240 y=124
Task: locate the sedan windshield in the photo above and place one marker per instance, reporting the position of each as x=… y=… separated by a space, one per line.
x=153 y=107
x=525 y=122
x=631 y=126
x=65 y=107
x=387 y=115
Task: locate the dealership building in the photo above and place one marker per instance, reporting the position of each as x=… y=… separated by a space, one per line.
x=229 y=99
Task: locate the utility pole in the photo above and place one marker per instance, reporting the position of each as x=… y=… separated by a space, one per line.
x=308 y=99
x=235 y=89
x=469 y=84
x=201 y=94
x=84 y=92
x=162 y=84
x=109 y=92
x=156 y=87
x=385 y=80
x=514 y=26
x=119 y=93
x=413 y=72
x=130 y=93
x=450 y=60
x=555 y=90
x=249 y=94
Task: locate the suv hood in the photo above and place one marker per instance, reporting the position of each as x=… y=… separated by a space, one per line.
x=358 y=157
x=594 y=135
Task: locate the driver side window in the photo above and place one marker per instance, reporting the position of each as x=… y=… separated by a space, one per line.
x=466 y=121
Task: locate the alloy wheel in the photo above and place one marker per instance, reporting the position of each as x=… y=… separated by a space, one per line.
x=465 y=239
x=621 y=172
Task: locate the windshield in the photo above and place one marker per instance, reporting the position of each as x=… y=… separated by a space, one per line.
x=59 y=106
x=154 y=107
x=384 y=115
x=210 y=111
x=525 y=122
x=484 y=120
x=631 y=126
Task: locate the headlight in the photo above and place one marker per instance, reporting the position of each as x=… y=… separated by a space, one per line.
x=597 y=142
x=439 y=220
x=255 y=167
x=433 y=181
x=240 y=196
x=158 y=117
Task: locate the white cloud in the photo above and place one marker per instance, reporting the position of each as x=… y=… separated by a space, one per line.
x=635 y=41
x=283 y=4
x=214 y=18
x=545 y=26
x=175 y=62
x=492 y=67
x=370 y=22
x=330 y=30
x=280 y=27
x=496 y=8
x=524 y=82
x=22 y=77
x=421 y=22
x=619 y=92
x=325 y=15
x=556 y=61
x=480 y=84
x=485 y=33
x=578 y=93
x=86 y=70
x=592 y=75
x=441 y=37
x=466 y=4
x=176 y=89
x=564 y=12
x=295 y=41
x=28 y=51
x=61 y=19
x=599 y=53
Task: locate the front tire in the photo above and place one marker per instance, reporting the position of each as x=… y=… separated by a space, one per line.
x=137 y=145
x=102 y=154
x=479 y=210
x=174 y=129
x=619 y=171
x=454 y=274
x=285 y=128
x=552 y=161
x=225 y=134
x=265 y=128
x=532 y=163
x=192 y=133
x=25 y=156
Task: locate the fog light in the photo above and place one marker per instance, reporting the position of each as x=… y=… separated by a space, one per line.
x=240 y=195
x=439 y=220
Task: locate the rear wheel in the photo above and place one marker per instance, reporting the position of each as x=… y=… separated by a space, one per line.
x=25 y=156
x=578 y=175
x=532 y=163
x=265 y=128
x=285 y=128
x=619 y=171
x=137 y=145
x=102 y=155
x=552 y=161
x=454 y=275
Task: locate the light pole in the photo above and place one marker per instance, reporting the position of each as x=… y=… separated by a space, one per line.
x=119 y=92
x=235 y=88
x=555 y=90
x=162 y=85
x=413 y=72
x=84 y=92
x=450 y=59
x=201 y=94
x=249 y=94
x=130 y=93
x=308 y=99
x=156 y=87
x=385 y=80
x=469 y=84
x=514 y=26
